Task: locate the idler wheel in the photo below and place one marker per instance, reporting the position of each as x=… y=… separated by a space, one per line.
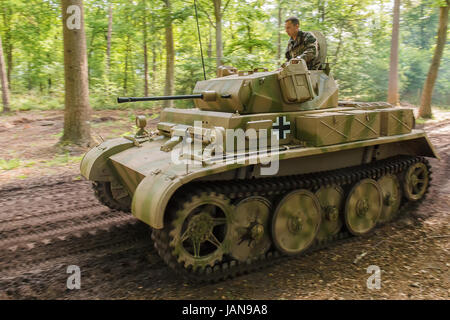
x=415 y=181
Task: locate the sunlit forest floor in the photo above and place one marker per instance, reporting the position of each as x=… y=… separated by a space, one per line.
x=28 y=140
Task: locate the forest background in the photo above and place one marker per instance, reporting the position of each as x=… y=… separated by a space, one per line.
x=128 y=53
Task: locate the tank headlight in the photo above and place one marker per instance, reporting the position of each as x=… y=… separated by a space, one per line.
x=141 y=122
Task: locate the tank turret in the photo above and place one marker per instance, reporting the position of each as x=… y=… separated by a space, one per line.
x=291 y=88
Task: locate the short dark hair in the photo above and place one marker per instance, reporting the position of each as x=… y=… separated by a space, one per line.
x=294 y=20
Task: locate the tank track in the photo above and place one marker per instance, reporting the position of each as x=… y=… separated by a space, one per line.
x=274 y=188
x=104 y=195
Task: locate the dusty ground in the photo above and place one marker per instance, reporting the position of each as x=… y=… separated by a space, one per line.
x=47 y=224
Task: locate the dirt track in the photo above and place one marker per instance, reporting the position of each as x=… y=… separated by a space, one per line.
x=47 y=225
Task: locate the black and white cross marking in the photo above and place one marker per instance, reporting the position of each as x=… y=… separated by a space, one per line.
x=281 y=127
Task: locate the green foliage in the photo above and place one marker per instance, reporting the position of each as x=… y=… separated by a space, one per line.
x=358 y=34
x=63 y=159
x=9 y=164
x=33 y=100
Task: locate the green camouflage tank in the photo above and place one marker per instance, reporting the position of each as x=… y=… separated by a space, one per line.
x=267 y=164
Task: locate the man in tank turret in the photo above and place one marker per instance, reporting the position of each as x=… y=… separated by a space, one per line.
x=302 y=45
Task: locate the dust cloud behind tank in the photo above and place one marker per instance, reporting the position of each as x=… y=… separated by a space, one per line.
x=343 y=168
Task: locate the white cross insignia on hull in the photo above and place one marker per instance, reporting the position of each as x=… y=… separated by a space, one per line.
x=281 y=127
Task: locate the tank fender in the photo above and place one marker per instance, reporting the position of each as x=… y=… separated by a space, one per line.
x=151 y=197
x=423 y=147
x=94 y=165
x=154 y=191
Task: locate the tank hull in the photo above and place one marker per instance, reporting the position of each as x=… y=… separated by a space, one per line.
x=151 y=178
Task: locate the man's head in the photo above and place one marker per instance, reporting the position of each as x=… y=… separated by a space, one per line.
x=292 y=25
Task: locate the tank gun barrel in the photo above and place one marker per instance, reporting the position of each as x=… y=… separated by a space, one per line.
x=207 y=96
x=137 y=99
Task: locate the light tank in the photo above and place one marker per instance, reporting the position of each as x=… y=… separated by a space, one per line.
x=267 y=165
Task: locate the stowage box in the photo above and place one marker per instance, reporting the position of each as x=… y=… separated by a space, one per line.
x=396 y=121
x=330 y=128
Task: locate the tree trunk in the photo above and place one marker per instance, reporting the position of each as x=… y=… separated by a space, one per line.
x=4 y=80
x=154 y=66
x=9 y=58
x=427 y=93
x=170 y=56
x=77 y=109
x=341 y=30
x=279 y=30
x=108 y=40
x=233 y=35
x=338 y=48
x=210 y=44
x=249 y=35
x=90 y=50
x=29 y=77
x=324 y=11
x=321 y=11
x=144 y=23
x=8 y=46
x=219 y=44
x=422 y=28
x=49 y=76
x=393 y=70
x=125 y=72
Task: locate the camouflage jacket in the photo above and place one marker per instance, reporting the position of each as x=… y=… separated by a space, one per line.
x=306 y=47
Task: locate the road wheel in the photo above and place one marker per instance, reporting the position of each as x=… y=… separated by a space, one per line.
x=296 y=222
x=251 y=228
x=363 y=207
x=331 y=200
x=392 y=197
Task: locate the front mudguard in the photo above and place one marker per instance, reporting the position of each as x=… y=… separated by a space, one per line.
x=154 y=192
x=151 y=198
x=94 y=165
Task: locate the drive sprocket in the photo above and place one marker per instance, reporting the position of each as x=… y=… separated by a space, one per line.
x=200 y=231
